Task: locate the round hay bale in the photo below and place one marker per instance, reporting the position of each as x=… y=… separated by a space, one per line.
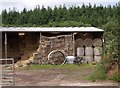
x=97 y=58
x=97 y=42
x=88 y=42
x=97 y=51
x=80 y=51
x=79 y=42
x=88 y=59
x=88 y=51
x=88 y=35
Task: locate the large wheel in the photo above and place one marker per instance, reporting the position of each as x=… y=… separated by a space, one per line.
x=56 y=57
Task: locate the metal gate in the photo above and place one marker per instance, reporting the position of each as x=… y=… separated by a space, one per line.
x=7 y=72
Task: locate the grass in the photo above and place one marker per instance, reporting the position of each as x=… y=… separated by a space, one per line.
x=116 y=77
x=65 y=66
x=98 y=74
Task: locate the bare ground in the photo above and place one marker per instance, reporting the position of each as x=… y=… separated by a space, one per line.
x=57 y=77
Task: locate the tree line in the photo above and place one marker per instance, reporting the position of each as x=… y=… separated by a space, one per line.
x=86 y=15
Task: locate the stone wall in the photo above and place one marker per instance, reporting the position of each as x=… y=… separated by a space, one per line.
x=62 y=43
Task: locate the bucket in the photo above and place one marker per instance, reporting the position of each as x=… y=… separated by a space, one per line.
x=70 y=59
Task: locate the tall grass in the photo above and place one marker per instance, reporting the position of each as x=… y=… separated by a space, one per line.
x=99 y=73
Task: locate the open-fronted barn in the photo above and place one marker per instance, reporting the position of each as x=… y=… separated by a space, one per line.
x=23 y=43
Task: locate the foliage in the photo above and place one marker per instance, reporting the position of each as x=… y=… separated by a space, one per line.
x=116 y=77
x=86 y=15
x=67 y=24
x=99 y=73
x=65 y=66
x=111 y=40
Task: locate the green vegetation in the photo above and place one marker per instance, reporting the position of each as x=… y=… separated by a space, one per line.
x=86 y=15
x=116 y=77
x=98 y=74
x=101 y=73
x=65 y=66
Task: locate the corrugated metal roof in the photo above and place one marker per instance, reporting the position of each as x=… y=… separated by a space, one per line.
x=50 y=29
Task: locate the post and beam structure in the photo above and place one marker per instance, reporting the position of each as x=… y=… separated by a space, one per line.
x=6 y=47
x=40 y=37
x=73 y=44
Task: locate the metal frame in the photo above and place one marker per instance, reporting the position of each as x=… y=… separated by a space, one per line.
x=8 y=73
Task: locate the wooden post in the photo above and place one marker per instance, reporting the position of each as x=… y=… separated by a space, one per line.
x=73 y=44
x=40 y=42
x=0 y=45
x=6 y=46
x=103 y=44
x=40 y=38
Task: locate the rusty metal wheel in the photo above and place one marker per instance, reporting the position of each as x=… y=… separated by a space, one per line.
x=56 y=57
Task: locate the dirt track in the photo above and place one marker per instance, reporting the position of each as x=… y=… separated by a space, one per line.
x=56 y=77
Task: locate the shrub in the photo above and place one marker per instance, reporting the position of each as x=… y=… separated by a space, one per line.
x=116 y=77
x=99 y=73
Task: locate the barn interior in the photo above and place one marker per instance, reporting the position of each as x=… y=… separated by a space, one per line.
x=21 y=45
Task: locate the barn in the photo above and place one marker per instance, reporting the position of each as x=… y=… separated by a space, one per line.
x=35 y=43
